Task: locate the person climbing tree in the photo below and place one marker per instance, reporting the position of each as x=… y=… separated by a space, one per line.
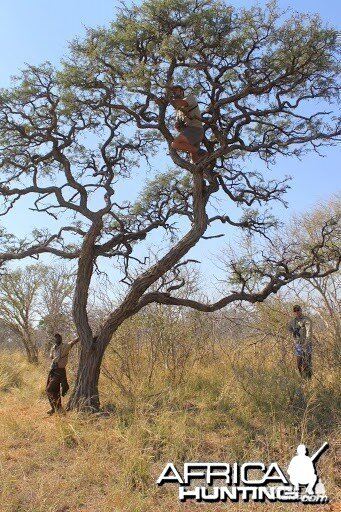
x=301 y=329
x=188 y=123
x=57 y=383
x=101 y=119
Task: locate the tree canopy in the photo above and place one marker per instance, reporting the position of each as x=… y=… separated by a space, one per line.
x=266 y=82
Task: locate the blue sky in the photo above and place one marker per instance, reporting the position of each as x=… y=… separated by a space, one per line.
x=34 y=31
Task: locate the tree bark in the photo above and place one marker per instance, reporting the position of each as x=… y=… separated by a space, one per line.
x=85 y=395
x=31 y=349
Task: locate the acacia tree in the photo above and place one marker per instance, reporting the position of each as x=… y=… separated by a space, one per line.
x=68 y=137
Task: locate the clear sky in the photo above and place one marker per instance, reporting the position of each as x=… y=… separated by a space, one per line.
x=32 y=31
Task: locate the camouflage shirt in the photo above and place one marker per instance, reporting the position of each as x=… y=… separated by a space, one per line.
x=301 y=329
x=190 y=115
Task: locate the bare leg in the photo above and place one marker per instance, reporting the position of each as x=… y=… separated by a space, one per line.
x=181 y=143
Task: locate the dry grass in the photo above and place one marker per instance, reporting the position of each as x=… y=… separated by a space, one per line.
x=229 y=407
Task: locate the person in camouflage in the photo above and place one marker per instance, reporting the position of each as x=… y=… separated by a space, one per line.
x=301 y=329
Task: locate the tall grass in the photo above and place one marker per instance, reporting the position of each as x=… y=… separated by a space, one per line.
x=12 y=368
x=221 y=400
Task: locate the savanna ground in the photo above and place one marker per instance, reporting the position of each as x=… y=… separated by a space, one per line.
x=171 y=391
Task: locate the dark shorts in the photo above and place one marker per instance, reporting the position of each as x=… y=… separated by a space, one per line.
x=194 y=135
x=303 y=350
x=56 y=379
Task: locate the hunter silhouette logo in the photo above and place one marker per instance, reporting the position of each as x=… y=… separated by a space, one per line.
x=302 y=471
x=254 y=481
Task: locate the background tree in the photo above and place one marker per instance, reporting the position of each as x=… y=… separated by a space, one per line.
x=323 y=295
x=68 y=137
x=56 y=303
x=8 y=338
x=19 y=295
x=319 y=297
x=328 y=306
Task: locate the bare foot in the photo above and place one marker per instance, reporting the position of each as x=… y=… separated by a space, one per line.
x=197 y=157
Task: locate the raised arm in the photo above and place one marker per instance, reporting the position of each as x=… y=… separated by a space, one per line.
x=72 y=343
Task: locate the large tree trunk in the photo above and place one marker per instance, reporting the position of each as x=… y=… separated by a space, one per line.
x=85 y=395
x=32 y=357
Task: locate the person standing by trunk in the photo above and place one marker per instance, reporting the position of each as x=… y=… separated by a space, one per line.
x=301 y=329
x=57 y=383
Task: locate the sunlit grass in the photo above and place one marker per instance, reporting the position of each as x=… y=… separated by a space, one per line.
x=224 y=409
